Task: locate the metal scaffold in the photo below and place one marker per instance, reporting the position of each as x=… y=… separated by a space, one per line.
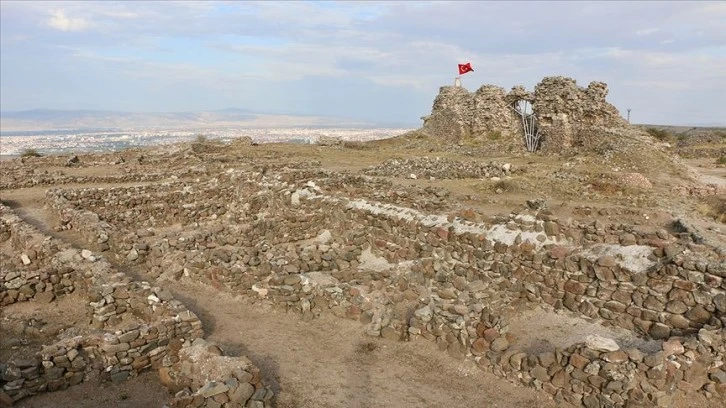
x=532 y=135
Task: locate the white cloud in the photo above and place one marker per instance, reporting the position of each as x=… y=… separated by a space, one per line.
x=60 y=21
x=406 y=81
x=646 y=31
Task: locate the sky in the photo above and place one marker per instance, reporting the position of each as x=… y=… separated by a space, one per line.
x=378 y=61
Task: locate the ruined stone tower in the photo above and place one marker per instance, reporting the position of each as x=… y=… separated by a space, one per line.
x=563 y=112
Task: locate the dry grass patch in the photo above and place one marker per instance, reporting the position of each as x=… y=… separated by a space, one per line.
x=30 y=153
x=355 y=145
x=367 y=347
x=508 y=185
x=713 y=207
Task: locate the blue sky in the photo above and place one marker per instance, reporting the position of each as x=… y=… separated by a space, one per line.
x=378 y=61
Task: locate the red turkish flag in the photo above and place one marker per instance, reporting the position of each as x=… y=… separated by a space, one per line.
x=464 y=68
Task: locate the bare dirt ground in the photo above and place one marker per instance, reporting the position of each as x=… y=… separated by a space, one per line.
x=142 y=391
x=27 y=326
x=331 y=362
x=707 y=172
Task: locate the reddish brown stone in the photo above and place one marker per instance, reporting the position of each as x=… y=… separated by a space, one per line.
x=575 y=287
x=673 y=347
x=490 y=334
x=479 y=346
x=353 y=312
x=559 y=252
x=578 y=361
x=560 y=379
x=481 y=327
x=443 y=233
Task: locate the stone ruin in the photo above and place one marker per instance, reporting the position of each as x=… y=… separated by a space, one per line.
x=130 y=327
x=308 y=247
x=405 y=264
x=564 y=113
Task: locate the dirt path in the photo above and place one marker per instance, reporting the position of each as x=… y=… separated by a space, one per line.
x=706 y=173
x=328 y=362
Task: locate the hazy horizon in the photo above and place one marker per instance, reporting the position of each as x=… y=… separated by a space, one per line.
x=335 y=121
x=379 y=62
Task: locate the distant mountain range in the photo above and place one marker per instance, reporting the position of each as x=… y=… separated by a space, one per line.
x=49 y=119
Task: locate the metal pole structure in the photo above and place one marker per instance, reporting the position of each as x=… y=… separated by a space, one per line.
x=529 y=125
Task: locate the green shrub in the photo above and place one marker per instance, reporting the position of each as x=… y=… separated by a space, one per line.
x=201 y=139
x=721 y=160
x=29 y=152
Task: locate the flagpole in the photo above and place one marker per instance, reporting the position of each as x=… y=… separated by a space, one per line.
x=463 y=69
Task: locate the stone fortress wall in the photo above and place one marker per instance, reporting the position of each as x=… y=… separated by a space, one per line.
x=566 y=113
x=408 y=274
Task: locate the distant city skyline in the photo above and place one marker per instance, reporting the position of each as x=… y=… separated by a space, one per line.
x=380 y=62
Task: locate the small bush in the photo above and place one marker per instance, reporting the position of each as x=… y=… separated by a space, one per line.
x=504 y=186
x=367 y=347
x=201 y=139
x=660 y=134
x=721 y=160
x=713 y=207
x=355 y=145
x=30 y=153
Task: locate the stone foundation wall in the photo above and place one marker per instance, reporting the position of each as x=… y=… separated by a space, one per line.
x=439 y=168
x=54 y=179
x=300 y=249
x=31 y=274
x=675 y=297
x=141 y=326
x=56 y=367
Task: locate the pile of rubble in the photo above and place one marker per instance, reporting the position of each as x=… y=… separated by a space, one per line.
x=203 y=377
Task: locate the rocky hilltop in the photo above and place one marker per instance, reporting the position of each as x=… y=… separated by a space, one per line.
x=565 y=113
